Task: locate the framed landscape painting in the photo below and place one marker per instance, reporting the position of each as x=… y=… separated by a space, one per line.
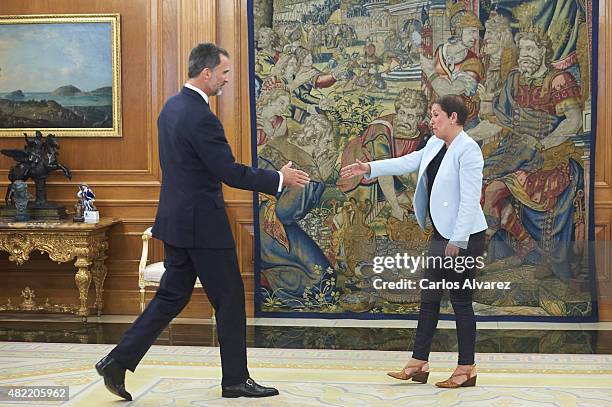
x=60 y=74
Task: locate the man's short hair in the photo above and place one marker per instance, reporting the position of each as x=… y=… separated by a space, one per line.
x=202 y=56
x=453 y=103
x=464 y=19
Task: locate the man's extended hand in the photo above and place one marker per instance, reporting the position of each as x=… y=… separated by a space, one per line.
x=293 y=177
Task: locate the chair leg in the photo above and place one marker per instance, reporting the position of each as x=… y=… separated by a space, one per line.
x=142 y=299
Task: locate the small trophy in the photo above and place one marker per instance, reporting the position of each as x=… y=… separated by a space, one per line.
x=89 y=210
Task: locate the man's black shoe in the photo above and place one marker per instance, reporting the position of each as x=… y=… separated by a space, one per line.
x=248 y=389
x=114 y=376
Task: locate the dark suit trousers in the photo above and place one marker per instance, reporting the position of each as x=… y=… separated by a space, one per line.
x=461 y=300
x=219 y=274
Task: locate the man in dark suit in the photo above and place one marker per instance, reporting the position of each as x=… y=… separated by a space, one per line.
x=191 y=221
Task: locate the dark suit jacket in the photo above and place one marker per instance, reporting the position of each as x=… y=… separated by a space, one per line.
x=195 y=158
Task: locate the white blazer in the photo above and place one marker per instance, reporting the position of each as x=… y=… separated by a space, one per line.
x=455 y=195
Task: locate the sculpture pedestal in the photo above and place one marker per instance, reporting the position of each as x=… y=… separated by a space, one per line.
x=47 y=212
x=91 y=216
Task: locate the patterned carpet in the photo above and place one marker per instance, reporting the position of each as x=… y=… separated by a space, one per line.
x=190 y=376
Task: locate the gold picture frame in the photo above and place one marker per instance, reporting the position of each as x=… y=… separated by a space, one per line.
x=60 y=74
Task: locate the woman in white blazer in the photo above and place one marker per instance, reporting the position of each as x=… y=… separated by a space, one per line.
x=448 y=189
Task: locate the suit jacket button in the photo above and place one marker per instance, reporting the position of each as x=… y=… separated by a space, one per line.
x=444 y=203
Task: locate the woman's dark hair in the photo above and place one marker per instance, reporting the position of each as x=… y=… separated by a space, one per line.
x=453 y=104
x=205 y=55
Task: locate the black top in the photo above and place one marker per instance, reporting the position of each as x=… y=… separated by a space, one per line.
x=431 y=171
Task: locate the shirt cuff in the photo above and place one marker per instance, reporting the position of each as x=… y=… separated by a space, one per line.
x=368 y=176
x=280 y=181
x=462 y=244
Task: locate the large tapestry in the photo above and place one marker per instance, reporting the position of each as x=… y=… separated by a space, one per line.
x=338 y=80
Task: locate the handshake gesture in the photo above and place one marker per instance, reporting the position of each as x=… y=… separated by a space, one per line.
x=293 y=177
x=297 y=178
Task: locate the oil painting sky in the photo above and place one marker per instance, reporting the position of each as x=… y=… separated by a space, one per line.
x=43 y=57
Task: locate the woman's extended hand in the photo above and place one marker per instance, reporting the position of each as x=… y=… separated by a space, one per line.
x=355 y=169
x=451 y=250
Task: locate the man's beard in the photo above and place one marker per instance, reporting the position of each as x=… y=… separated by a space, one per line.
x=492 y=79
x=468 y=44
x=528 y=65
x=403 y=130
x=492 y=50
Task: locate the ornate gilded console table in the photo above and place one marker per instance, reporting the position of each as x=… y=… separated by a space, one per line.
x=64 y=241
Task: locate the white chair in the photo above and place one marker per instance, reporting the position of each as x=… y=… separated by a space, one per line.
x=150 y=276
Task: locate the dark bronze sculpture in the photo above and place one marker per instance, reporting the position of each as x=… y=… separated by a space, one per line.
x=36 y=161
